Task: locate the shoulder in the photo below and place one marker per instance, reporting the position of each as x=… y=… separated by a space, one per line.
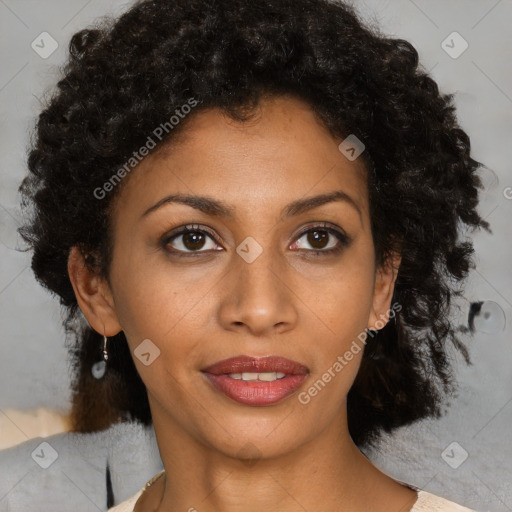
x=428 y=502
x=127 y=505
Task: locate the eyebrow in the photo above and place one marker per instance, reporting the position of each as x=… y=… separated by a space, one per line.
x=217 y=208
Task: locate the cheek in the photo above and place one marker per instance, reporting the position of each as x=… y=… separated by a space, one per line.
x=166 y=304
x=345 y=317
x=341 y=305
x=339 y=295
x=151 y=293
x=340 y=343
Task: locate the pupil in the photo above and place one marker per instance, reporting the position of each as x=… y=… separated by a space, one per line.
x=193 y=240
x=315 y=238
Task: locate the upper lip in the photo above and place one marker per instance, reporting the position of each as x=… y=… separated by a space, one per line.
x=241 y=364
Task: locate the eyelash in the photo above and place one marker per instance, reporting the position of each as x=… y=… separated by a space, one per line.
x=344 y=240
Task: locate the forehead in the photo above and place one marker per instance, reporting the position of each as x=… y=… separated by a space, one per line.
x=281 y=154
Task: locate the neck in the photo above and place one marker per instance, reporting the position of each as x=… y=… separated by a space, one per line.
x=330 y=466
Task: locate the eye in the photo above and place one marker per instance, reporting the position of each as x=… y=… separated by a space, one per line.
x=190 y=239
x=323 y=240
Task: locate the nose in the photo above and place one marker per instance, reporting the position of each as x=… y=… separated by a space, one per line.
x=257 y=298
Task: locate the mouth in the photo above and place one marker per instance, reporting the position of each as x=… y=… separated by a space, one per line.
x=256 y=381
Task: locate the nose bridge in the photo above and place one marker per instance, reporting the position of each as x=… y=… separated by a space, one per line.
x=258 y=296
x=257 y=273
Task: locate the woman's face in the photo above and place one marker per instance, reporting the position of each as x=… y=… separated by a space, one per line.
x=212 y=295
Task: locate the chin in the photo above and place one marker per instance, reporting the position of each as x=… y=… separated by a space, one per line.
x=251 y=443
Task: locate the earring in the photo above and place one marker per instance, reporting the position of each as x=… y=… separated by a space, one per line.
x=98 y=368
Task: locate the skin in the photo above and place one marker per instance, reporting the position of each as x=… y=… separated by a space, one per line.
x=219 y=454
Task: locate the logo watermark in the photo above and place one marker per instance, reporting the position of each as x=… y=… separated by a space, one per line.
x=137 y=156
x=342 y=361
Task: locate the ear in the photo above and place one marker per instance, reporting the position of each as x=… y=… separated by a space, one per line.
x=93 y=295
x=384 y=287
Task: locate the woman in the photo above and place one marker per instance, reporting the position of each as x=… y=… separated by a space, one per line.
x=251 y=212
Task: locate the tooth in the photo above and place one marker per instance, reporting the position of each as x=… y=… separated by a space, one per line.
x=263 y=376
x=249 y=376
x=267 y=376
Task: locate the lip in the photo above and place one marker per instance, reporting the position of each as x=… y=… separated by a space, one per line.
x=241 y=364
x=256 y=393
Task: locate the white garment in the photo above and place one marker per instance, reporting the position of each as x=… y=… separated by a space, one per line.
x=426 y=501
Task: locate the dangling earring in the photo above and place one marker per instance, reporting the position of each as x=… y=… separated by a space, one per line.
x=98 y=368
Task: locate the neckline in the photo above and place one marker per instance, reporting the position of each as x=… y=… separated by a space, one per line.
x=153 y=480
x=419 y=492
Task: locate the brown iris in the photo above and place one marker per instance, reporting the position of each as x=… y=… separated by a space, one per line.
x=193 y=240
x=318 y=238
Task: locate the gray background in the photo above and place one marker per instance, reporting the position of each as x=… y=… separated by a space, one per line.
x=33 y=360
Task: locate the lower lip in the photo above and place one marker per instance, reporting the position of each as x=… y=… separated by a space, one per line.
x=255 y=392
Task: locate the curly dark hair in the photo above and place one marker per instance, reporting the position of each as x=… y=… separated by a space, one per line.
x=126 y=76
